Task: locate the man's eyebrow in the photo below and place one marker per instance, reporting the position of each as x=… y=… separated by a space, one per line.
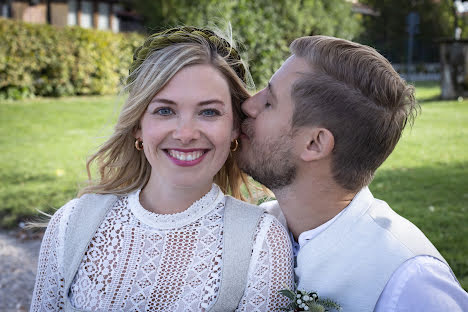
x=202 y=103
x=270 y=89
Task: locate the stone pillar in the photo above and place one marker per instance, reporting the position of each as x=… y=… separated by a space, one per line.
x=454 y=68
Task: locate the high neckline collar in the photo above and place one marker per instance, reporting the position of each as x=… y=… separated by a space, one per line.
x=170 y=221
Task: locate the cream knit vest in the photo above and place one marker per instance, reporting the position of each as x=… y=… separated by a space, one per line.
x=352 y=260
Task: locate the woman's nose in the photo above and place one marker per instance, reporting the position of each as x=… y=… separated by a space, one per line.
x=186 y=131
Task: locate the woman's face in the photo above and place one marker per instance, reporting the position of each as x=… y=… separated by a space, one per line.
x=188 y=127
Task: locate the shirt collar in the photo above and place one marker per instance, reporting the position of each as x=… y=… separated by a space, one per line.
x=360 y=201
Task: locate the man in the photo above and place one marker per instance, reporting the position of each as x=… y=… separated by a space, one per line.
x=329 y=117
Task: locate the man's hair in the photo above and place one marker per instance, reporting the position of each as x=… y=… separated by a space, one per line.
x=355 y=93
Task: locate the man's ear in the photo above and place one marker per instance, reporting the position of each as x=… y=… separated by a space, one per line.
x=319 y=143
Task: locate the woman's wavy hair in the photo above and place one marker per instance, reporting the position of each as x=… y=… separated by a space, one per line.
x=122 y=168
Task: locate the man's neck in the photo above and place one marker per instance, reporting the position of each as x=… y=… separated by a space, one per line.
x=309 y=205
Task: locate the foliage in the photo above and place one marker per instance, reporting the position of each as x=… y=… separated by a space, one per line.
x=388 y=31
x=265 y=28
x=47 y=61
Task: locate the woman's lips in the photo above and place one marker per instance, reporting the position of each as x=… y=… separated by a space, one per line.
x=186 y=157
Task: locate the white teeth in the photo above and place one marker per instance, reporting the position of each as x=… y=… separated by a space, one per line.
x=186 y=156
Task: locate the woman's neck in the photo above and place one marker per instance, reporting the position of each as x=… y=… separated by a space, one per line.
x=164 y=198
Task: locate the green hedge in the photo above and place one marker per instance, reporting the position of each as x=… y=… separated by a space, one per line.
x=48 y=61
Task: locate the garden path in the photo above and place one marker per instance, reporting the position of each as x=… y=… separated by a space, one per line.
x=18 y=266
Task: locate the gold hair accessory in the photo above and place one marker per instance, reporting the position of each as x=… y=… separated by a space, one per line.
x=236 y=145
x=186 y=34
x=139 y=144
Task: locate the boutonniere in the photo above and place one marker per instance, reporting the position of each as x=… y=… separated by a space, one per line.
x=308 y=301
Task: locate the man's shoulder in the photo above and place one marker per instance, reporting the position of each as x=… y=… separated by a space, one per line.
x=401 y=230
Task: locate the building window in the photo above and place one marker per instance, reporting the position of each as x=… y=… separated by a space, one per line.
x=104 y=15
x=72 y=13
x=86 y=14
x=116 y=19
x=4 y=10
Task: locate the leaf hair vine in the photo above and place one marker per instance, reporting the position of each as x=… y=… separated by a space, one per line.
x=187 y=34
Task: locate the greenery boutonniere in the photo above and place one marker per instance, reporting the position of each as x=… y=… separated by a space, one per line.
x=308 y=301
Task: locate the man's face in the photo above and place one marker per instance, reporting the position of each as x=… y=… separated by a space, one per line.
x=267 y=139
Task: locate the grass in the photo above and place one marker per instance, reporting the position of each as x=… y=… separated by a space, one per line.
x=44 y=144
x=425 y=179
x=43 y=148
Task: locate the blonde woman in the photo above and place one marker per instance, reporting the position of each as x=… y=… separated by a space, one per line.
x=156 y=231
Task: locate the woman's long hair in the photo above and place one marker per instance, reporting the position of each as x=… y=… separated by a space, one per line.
x=122 y=168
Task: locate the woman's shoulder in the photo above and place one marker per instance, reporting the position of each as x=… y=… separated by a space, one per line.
x=76 y=205
x=266 y=221
x=240 y=204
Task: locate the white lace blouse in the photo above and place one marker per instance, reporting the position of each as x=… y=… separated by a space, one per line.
x=142 y=261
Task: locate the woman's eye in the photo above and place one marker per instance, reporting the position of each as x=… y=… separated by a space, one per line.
x=164 y=111
x=210 y=112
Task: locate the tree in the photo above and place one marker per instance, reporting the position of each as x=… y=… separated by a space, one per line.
x=387 y=32
x=265 y=28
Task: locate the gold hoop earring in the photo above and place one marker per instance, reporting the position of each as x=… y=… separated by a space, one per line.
x=139 y=144
x=236 y=145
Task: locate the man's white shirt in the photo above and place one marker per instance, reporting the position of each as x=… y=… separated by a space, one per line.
x=422 y=283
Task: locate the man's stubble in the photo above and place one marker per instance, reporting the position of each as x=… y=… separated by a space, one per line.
x=268 y=160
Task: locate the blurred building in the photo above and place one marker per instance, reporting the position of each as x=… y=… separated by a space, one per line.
x=98 y=14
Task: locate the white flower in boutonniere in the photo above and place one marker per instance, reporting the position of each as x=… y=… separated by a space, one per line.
x=308 y=301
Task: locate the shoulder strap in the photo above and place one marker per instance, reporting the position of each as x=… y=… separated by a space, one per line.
x=240 y=222
x=83 y=223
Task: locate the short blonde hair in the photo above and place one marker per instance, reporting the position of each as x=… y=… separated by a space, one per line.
x=354 y=92
x=122 y=168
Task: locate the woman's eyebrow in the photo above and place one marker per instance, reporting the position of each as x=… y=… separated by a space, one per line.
x=163 y=100
x=212 y=101
x=202 y=103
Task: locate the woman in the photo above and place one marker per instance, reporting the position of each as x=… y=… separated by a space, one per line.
x=155 y=233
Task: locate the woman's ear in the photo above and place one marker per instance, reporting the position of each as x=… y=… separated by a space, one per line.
x=235 y=133
x=319 y=143
x=137 y=131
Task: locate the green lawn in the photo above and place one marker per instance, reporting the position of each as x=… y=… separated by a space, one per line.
x=44 y=144
x=426 y=178
x=43 y=148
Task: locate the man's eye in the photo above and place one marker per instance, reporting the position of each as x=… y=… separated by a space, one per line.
x=210 y=112
x=267 y=104
x=164 y=111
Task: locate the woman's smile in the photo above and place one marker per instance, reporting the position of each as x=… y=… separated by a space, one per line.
x=186 y=157
x=188 y=127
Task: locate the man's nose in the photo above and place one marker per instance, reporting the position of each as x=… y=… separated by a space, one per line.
x=186 y=131
x=252 y=106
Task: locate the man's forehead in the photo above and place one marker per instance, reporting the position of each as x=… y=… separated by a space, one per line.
x=291 y=69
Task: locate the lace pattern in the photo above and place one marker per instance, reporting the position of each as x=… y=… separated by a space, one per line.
x=176 y=220
x=133 y=265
